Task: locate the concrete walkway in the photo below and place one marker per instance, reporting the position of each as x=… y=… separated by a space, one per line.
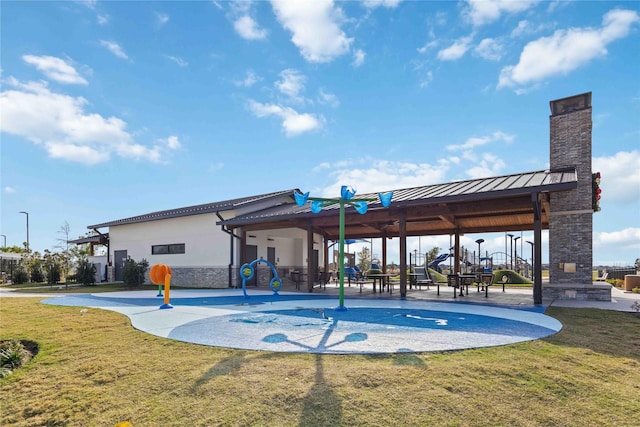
x=311 y=323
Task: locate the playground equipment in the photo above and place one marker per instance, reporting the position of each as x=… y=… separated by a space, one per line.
x=247 y=271
x=161 y=274
x=435 y=264
x=346 y=199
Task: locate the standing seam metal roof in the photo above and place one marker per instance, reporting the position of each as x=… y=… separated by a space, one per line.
x=459 y=191
x=195 y=210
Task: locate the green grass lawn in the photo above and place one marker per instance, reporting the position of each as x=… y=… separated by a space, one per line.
x=62 y=288
x=94 y=369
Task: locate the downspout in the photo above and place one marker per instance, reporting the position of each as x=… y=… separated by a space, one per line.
x=231 y=236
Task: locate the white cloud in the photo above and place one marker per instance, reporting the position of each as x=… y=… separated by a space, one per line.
x=181 y=62
x=161 y=18
x=489 y=49
x=428 y=46
x=485 y=165
x=9 y=190
x=327 y=98
x=371 y=175
x=114 y=48
x=248 y=28
x=291 y=83
x=482 y=12
x=293 y=123
x=620 y=181
x=426 y=79
x=474 y=141
x=315 y=28
x=358 y=57
x=214 y=167
x=456 y=50
x=372 y=4
x=55 y=69
x=567 y=50
x=103 y=19
x=171 y=142
x=91 y=4
x=249 y=80
x=60 y=124
x=629 y=237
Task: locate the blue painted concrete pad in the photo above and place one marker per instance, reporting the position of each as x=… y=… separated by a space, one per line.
x=308 y=323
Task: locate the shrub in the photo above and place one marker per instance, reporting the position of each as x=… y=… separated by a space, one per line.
x=37 y=275
x=85 y=272
x=20 y=275
x=134 y=272
x=12 y=356
x=54 y=273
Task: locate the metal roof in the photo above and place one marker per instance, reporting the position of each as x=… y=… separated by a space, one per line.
x=101 y=239
x=195 y=210
x=501 y=203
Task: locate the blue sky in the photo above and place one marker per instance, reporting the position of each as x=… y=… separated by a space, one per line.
x=115 y=109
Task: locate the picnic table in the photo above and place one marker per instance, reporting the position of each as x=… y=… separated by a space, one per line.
x=382 y=279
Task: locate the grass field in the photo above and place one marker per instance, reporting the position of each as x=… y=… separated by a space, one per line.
x=94 y=369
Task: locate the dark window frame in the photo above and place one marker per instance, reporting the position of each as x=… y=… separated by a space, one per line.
x=168 y=249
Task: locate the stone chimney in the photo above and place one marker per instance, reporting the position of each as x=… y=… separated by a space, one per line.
x=571 y=212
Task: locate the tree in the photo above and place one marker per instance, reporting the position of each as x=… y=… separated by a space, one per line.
x=20 y=273
x=133 y=272
x=53 y=263
x=364 y=259
x=65 y=230
x=14 y=249
x=431 y=255
x=85 y=272
x=35 y=267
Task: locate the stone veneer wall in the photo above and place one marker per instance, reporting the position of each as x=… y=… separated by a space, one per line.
x=218 y=278
x=200 y=277
x=571 y=215
x=581 y=292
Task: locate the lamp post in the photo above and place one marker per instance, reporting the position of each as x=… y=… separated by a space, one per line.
x=346 y=198
x=515 y=239
x=479 y=256
x=511 y=249
x=4 y=238
x=532 y=269
x=27 y=214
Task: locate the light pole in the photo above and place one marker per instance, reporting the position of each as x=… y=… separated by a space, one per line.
x=27 y=214
x=532 y=270
x=4 y=245
x=346 y=198
x=511 y=249
x=479 y=256
x=516 y=245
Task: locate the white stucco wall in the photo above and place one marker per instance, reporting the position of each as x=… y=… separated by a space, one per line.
x=206 y=245
x=290 y=244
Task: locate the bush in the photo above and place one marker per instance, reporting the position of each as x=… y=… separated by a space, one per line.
x=134 y=272
x=37 y=275
x=54 y=273
x=85 y=272
x=12 y=356
x=20 y=275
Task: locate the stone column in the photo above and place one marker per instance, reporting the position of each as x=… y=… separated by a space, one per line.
x=571 y=213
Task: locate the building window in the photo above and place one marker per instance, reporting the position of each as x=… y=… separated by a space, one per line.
x=175 y=248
